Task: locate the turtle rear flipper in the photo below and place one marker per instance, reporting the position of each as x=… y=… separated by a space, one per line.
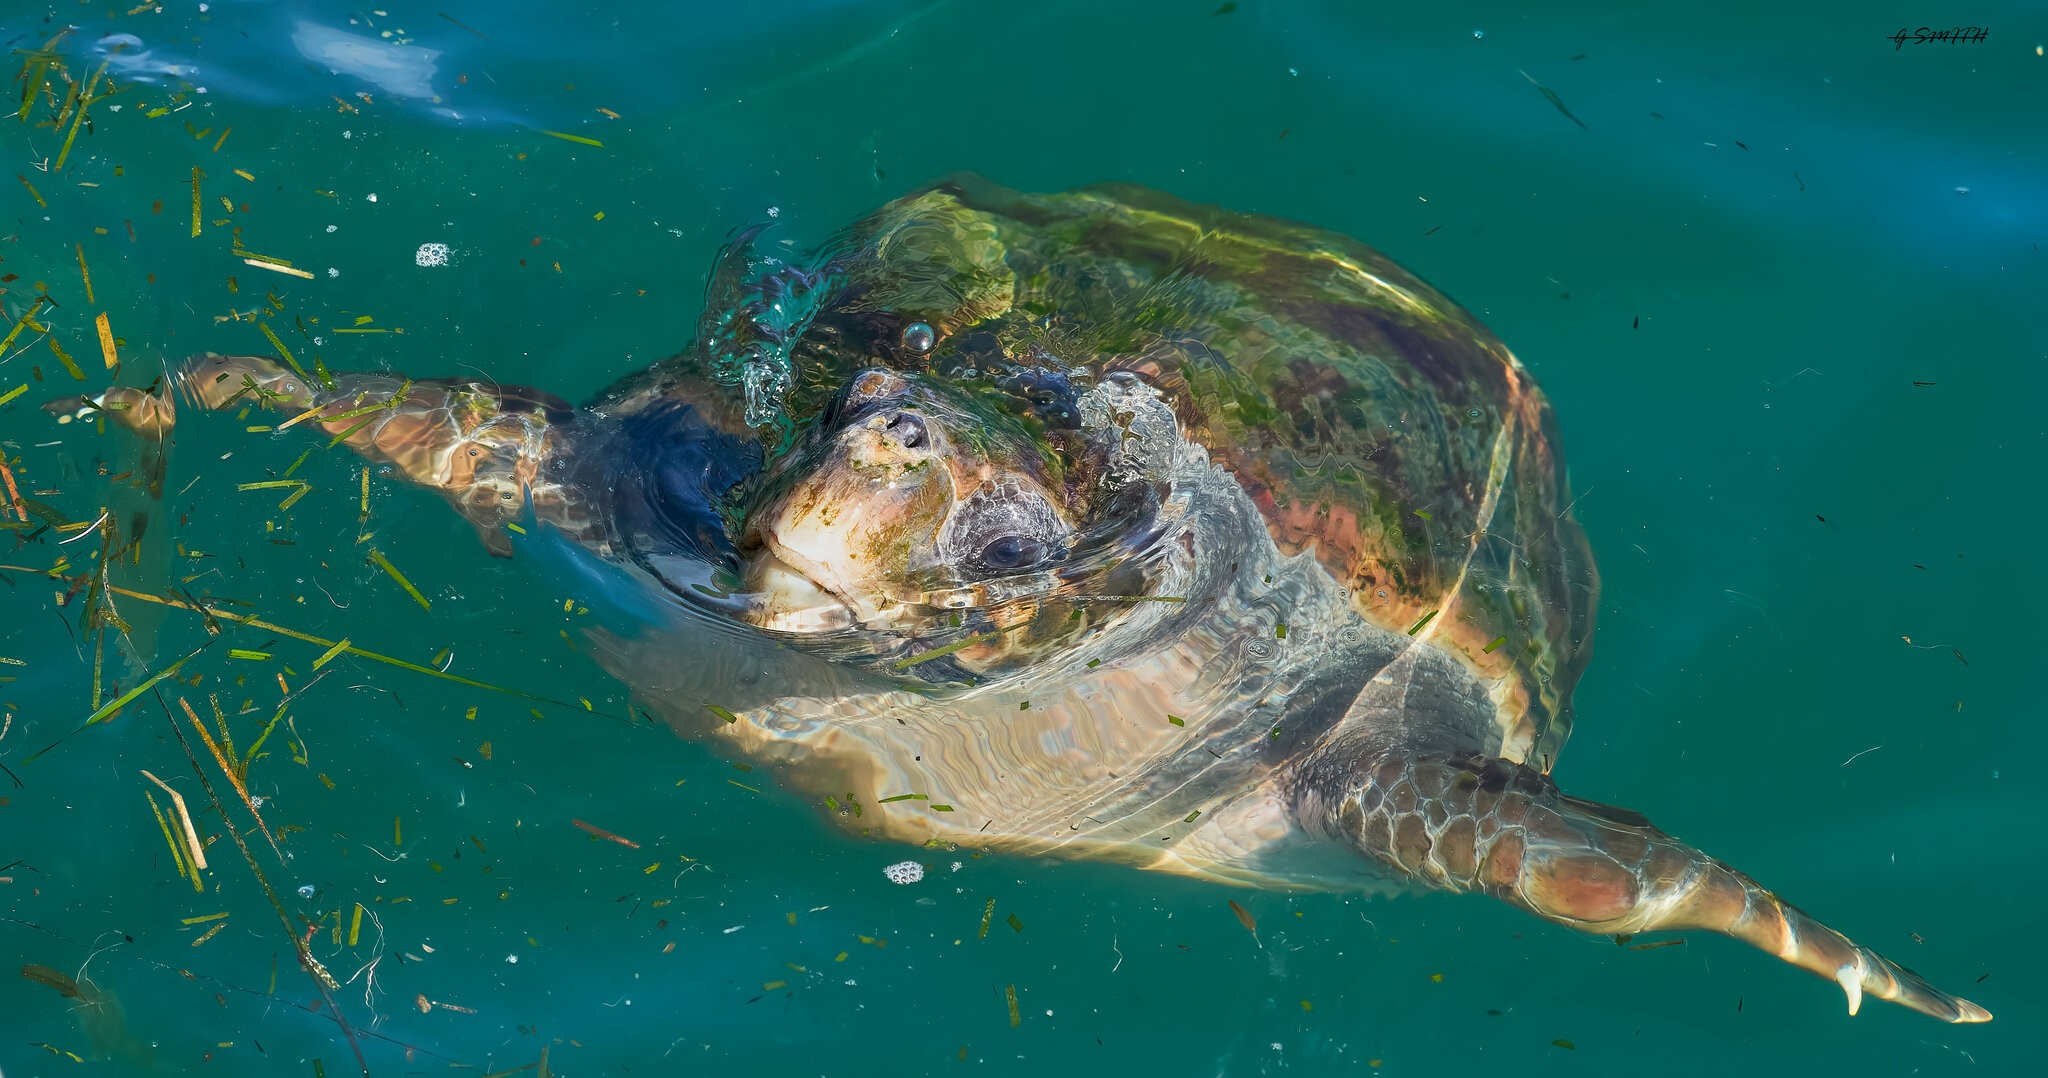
x=1466 y=822
x=488 y=448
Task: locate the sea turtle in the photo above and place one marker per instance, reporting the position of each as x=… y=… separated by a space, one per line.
x=1095 y=524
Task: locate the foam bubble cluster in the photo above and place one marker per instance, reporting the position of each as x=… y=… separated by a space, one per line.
x=904 y=872
x=431 y=254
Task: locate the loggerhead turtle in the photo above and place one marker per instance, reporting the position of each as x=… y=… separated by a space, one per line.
x=1099 y=525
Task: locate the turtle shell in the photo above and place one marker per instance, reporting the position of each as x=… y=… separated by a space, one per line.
x=1379 y=427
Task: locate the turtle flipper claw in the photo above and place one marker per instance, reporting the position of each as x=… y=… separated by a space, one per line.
x=1470 y=823
x=1851 y=980
x=1805 y=942
x=1711 y=895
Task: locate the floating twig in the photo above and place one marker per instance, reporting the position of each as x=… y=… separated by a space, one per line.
x=192 y=847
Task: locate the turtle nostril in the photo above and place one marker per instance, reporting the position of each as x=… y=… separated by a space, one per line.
x=907 y=429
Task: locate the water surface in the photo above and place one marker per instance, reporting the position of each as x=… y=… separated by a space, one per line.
x=1731 y=266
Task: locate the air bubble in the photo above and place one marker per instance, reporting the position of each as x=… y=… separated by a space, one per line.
x=904 y=872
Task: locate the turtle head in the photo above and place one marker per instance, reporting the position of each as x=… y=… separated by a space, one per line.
x=910 y=497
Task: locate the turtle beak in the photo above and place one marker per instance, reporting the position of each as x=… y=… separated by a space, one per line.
x=785 y=599
x=835 y=546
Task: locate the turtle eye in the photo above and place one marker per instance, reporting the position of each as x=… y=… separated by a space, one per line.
x=1013 y=552
x=1004 y=528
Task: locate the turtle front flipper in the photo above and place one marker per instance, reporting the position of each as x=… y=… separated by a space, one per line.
x=1466 y=822
x=486 y=447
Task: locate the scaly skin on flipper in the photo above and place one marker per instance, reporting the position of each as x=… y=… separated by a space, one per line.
x=1473 y=823
x=484 y=446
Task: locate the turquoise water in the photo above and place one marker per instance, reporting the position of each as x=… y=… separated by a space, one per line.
x=1728 y=280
